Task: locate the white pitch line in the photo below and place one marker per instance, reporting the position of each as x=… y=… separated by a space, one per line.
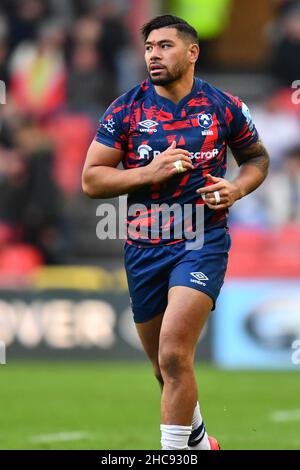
x=61 y=437
x=285 y=415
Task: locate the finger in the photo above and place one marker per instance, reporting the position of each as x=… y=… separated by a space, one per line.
x=173 y=145
x=212 y=187
x=212 y=178
x=178 y=151
x=217 y=207
x=180 y=156
x=213 y=203
x=185 y=167
x=211 y=199
x=174 y=171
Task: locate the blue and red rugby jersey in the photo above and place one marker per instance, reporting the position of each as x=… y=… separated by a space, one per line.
x=143 y=124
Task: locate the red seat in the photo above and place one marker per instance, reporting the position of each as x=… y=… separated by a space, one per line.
x=72 y=135
x=272 y=253
x=19 y=259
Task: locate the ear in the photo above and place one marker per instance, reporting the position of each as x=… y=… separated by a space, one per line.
x=194 y=51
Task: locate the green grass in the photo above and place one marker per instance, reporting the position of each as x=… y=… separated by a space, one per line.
x=117 y=405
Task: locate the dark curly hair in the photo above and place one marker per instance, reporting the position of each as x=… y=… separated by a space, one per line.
x=170 y=21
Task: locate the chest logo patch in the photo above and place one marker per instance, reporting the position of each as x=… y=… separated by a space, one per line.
x=205 y=120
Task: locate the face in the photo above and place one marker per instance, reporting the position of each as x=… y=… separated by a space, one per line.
x=168 y=56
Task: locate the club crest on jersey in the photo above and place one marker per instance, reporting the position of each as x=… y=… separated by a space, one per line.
x=205 y=121
x=148 y=126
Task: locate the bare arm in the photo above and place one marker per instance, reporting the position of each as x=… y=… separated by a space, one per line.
x=101 y=178
x=254 y=164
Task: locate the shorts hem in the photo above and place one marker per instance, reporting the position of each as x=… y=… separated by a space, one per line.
x=143 y=318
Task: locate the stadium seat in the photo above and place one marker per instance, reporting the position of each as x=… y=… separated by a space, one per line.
x=6 y=234
x=19 y=259
x=273 y=253
x=72 y=134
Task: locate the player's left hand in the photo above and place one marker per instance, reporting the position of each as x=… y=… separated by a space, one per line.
x=228 y=193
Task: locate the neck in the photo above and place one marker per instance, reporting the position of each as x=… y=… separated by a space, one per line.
x=177 y=90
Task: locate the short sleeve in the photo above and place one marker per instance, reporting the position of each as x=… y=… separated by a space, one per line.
x=113 y=126
x=242 y=131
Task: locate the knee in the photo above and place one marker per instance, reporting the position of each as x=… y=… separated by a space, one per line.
x=159 y=378
x=173 y=362
x=157 y=371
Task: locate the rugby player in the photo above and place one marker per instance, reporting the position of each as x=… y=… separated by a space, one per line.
x=171 y=133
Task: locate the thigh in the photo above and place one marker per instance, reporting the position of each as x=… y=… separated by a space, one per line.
x=149 y=333
x=184 y=318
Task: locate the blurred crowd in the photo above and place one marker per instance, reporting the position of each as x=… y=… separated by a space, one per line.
x=277 y=118
x=63 y=62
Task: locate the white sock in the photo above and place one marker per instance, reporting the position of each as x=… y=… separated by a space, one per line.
x=198 y=439
x=174 y=437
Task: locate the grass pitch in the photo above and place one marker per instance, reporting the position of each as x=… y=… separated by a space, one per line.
x=108 y=405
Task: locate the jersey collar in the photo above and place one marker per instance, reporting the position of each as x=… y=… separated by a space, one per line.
x=169 y=105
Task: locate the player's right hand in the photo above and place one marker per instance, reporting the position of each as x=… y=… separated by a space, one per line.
x=162 y=167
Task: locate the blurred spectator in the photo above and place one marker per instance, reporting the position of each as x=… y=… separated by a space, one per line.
x=249 y=211
x=3 y=27
x=3 y=61
x=3 y=49
x=86 y=31
x=282 y=191
x=284 y=36
x=115 y=46
x=25 y=19
x=64 y=10
x=281 y=8
x=30 y=202
x=38 y=72
x=87 y=75
x=286 y=61
x=278 y=126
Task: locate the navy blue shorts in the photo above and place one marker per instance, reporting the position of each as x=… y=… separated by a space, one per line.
x=151 y=272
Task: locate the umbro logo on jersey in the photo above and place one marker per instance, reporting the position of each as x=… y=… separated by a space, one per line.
x=148 y=126
x=199 y=276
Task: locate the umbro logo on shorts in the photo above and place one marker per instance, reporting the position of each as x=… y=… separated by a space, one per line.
x=199 y=276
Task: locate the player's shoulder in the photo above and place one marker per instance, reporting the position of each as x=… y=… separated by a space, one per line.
x=220 y=97
x=132 y=97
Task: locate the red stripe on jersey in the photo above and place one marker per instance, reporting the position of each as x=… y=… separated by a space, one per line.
x=171 y=138
x=183 y=182
x=177 y=125
x=228 y=115
x=201 y=101
x=119 y=108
